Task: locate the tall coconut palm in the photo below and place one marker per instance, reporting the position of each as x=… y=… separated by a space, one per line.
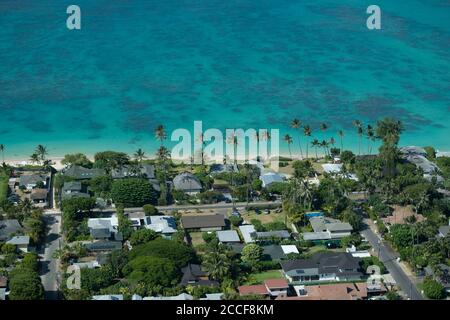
x=315 y=143
x=217 y=264
x=288 y=139
x=41 y=151
x=201 y=139
x=341 y=136
x=332 y=142
x=324 y=145
x=324 y=127
x=233 y=139
x=296 y=124
x=160 y=134
x=2 y=150
x=370 y=133
x=139 y=155
x=307 y=131
x=359 y=130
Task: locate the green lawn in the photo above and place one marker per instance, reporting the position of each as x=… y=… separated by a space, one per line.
x=196 y=238
x=256 y=278
x=3 y=187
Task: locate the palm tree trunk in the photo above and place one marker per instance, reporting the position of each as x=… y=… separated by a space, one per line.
x=300 y=146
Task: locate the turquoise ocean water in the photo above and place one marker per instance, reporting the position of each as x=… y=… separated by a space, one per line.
x=232 y=64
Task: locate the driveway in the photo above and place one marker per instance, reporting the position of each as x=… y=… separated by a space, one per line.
x=389 y=259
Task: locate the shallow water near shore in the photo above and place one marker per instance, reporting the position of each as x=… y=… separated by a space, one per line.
x=232 y=64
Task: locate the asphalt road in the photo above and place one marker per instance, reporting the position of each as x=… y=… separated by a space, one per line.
x=390 y=261
x=49 y=265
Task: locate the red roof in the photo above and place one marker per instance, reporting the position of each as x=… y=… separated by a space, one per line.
x=276 y=283
x=255 y=289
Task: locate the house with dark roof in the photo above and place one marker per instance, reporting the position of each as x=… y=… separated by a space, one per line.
x=324 y=266
x=39 y=197
x=9 y=228
x=273 y=252
x=29 y=181
x=145 y=171
x=212 y=222
x=443 y=277
x=193 y=275
x=21 y=242
x=82 y=173
x=73 y=189
x=187 y=183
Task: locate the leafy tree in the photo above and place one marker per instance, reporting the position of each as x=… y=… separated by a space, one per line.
x=142 y=236
x=401 y=235
x=110 y=160
x=133 y=192
x=150 y=210
x=101 y=185
x=25 y=284
x=210 y=196
x=153 y=271
x=235 y=220
x=208 y=237
x=30 y=262
x=303 y=169
x=125 y=224
x=116 y=261
x=78 y=159
x=179 y=253
x=392 y=295
x=252 y=254
x=93 y=280
x=352 y=218
x=433 y=289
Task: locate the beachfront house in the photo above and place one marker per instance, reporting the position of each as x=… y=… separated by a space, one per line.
x=145 y=171
x=82 y=173
x=323 y=267
x=30 y=181
x=211 y=222
x=187 y=183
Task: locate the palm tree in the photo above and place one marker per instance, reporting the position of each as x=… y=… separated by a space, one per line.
x=324 y=145
x=297 y=125
x=288 y=140
x=315 y=143
x=341 y=136
x=139 y=155
x=34 y=158
x=233 y=139
x=324 y=127
x=332 y=142
x=217 y=263
x=41 y=151
x=359 y=131
x=202 y=143
x=370 y=137
x=160 y=134
x=307 y=132
x=2 y=150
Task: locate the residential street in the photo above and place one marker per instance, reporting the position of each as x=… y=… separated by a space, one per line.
x=49 y=266
x=389 y=259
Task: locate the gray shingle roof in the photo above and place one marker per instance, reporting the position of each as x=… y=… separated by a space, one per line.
x=203 y=221
x=8 y=228
x=30 y=179
x=186 y=182
x=326 y=262
x=81 y=173
x=228 y=236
